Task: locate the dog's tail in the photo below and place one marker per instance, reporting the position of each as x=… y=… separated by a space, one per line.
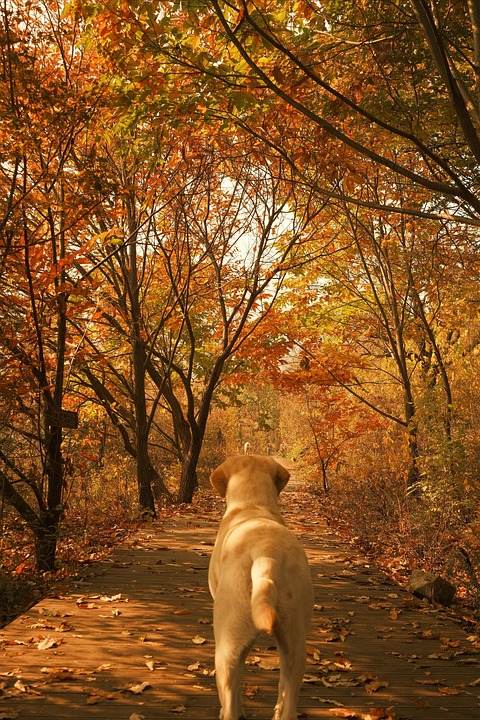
x=264 y=594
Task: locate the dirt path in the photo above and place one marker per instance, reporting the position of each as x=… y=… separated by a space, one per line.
x=133 y=638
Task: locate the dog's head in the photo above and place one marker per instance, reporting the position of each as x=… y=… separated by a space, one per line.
x=249 y=476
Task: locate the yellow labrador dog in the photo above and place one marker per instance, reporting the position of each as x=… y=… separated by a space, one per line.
x=260 y=581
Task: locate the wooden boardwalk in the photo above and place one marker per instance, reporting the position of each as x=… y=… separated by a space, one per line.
x=133 y=638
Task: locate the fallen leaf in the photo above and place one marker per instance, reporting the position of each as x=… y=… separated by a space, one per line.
x=312 y=679
x=342 y=664
x=378 y=714
x=138 y=689
x=327 y=701
x=199 y=640
x=268 y=665
x=427 y=681
x=63 y=627
x=340 y=681
x=428 y=634
x=48 y=643
x=102 y=668
x=60 y=674
x=47 y=612
x=112 y=598
x=448 y=691
x=86 y=605
x=375 y=685
x=99 y=696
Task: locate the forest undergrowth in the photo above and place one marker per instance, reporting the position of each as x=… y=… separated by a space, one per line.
x=82 y=541
x=401 y=534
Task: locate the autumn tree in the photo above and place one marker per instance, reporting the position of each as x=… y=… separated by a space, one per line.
x=377 y=317
x=46 y=102
x=225 y=241
x=132 y=300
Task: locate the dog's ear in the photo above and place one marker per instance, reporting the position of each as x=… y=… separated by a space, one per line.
x=281 y=477
x=219 y=480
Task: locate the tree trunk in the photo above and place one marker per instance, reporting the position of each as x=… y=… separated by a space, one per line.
x=144 y=466
x=43 y=525
x=159 y=489
x=46 y=536
x=323 y=467
x=46 y=531
x=188 y=478
x=412 y=430
x=145 y=495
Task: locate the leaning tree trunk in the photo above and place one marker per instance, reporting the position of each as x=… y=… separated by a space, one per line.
x=160 y=491
x=145 y=495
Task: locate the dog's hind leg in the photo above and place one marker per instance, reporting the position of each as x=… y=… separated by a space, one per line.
x=234 y=636
x=292 y=667
x=229 y=663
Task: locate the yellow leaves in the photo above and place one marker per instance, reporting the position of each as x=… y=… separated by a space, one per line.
x=302 y=156
x=114 y=236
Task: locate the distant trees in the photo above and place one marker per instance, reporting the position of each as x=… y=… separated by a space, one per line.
x=192 y=279
x=234 y=229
